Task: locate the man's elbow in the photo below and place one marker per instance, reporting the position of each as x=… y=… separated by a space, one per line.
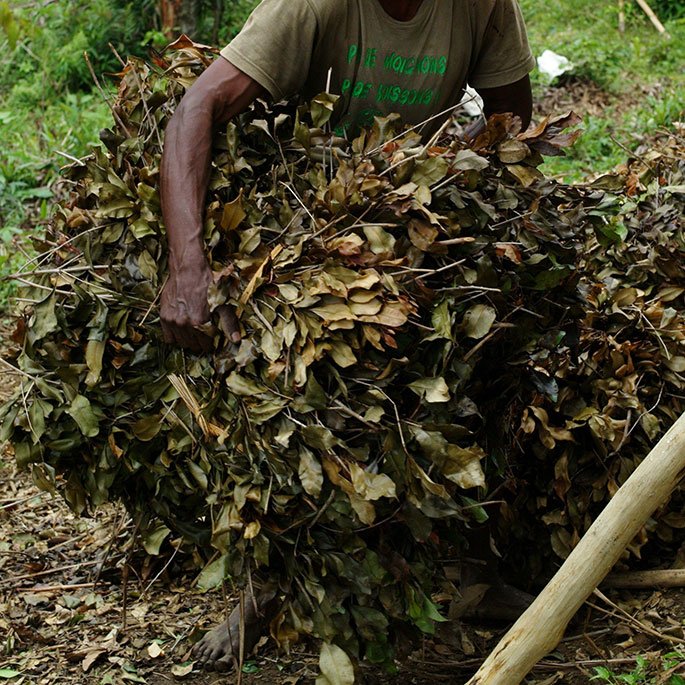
x=196 y=107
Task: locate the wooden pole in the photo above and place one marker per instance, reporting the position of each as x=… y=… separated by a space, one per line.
x=622 y=16
x=653 y=18
x=542 y=626
x=646 y=579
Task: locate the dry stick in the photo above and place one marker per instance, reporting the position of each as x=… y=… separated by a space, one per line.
x=48 y=572
x=653 y=18
x=164 y=568
x=241 y=658
x=9 y=504
x=60 y=588
x=617 y=610
x=110 y=544
x=622 y=16
x=542 y=666
x=71 y=158
x=638 y=580
x=104 y=95
x=541 y=627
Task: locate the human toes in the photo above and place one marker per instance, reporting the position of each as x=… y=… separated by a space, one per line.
x=224 y=664
x=208 y=650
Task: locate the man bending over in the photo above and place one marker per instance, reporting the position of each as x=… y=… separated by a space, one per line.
x=413 y=57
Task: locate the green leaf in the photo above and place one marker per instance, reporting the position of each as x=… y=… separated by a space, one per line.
x=86 y=419
x=442 y=320
x=8 y=673
x=319 y=437
x=233 y=215
x=342 y=354
x=322 y=108
x=468 y=160
x=243 y=386
x=429 y=171
x=153 y=539
x=95 y=351
x=433 y=390
x=512 y=151
x=335 y=666
x=474 y=509
x=478 y=321
x=214 y=573
x=371 y=486
x=147 y=428
x=45 y=319
x=250 y=667
x=310 y=472
x=463 y=466
x=380 y=241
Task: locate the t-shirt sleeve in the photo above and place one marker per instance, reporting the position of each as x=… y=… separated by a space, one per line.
x=275 y=46
x=505 y=56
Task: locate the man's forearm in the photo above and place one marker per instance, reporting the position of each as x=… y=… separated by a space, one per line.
x=184 y=179
x=515 y=97
x=220 y=93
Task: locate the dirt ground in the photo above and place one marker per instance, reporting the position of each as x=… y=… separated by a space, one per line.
x=77 y=606
x=67 y=614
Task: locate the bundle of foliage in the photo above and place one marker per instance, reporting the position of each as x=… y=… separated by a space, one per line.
x=401 y=302
x=622 y=387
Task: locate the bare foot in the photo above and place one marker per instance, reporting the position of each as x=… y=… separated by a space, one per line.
x=486 y=597
x=500 y=602
x=219 y=649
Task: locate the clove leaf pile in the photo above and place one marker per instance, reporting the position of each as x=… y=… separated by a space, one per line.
x=432 y=335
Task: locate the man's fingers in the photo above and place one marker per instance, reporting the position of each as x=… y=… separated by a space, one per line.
x=228 y=322
x=187 y=337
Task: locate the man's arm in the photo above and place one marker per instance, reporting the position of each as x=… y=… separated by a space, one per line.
x=516 y=98
x=220 y=93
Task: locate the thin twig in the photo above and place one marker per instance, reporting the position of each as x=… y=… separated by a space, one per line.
x=635 y=622
x=110 y=544
x=241 y=656
x=14 y=503
x=339 y=406
x=76 y=160
x=61 y=588
x=104 y=95
x=164 y=568
x=48 y=572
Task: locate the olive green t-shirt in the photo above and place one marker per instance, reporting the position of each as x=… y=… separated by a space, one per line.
x=353 y=48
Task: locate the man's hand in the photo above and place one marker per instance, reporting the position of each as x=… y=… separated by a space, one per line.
x=184 y=306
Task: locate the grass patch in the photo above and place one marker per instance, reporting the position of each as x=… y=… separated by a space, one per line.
x=640 y=71
x=667 y=670
x=32 y=140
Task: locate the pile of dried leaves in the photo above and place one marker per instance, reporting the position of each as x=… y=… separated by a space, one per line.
x=622 y=387
x=418 y=332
